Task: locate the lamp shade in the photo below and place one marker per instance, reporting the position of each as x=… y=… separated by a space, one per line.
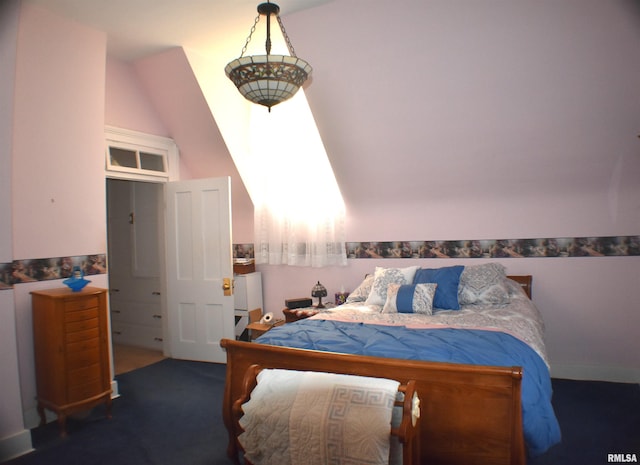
x=268 y=79
x=319 y=291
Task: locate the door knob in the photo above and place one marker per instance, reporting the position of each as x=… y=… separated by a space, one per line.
x=227 y=286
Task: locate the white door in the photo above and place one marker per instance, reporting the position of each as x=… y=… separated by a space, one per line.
x=198 y=259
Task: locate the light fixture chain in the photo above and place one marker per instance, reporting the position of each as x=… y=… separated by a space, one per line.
x=268 y=79
x=253 y=29
x=292 y=51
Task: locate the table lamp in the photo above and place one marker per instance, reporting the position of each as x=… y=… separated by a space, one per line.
x=319 y=291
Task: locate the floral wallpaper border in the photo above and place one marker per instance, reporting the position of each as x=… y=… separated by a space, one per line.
x=609 y=246
x=45 y=269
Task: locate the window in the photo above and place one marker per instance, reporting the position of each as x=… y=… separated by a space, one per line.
x=132 y=155
x=299 y=213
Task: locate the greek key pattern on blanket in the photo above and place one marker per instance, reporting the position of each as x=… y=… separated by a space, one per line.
x=352 y=413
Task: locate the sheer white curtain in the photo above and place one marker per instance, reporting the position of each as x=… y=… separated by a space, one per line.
x=299 y=212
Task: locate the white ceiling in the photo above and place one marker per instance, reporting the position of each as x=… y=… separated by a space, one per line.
x=137 y=28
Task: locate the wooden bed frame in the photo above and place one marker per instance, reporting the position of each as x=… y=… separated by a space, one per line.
x=470 y=414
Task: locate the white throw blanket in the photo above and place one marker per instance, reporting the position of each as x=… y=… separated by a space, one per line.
x=296 y=417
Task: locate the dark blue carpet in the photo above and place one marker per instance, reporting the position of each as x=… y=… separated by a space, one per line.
x=596 y=419
x=170 y=413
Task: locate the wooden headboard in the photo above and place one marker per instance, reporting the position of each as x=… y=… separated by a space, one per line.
x=525 y=281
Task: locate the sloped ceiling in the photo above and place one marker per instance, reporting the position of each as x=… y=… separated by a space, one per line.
x=436 y=101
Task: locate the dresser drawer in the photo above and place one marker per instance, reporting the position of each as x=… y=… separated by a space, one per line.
x=80 y=315
x=84 y=375
x=81 y=346
x=77 y=336
x=82 y=325
x=83 y=358
x=81 y=304
x=83 y=391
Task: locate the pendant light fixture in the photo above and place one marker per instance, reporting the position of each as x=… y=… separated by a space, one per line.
x=268 y=79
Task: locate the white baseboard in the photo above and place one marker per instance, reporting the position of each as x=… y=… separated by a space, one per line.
x=114 y=389
x=32 y=417
x=596 y=373
x=15 y=446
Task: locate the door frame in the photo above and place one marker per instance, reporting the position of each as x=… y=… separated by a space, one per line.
x=120 y=137
x=156 y=204
x=161 y=264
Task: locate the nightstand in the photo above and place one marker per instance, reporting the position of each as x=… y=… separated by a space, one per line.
x=298 y=314
x=258 y=329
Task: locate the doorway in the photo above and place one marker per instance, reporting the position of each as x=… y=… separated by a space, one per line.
x=134 y=260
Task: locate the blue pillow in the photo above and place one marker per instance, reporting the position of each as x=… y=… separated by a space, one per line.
x=410 y=298
x=447 y=278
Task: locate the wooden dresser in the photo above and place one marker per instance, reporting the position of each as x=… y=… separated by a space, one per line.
x=71 y=349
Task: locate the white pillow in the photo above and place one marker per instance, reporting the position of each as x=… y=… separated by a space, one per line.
x=410 y=298
x=385 y=276
x=483 y=285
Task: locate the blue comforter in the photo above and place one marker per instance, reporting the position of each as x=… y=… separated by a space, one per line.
x=470 y=346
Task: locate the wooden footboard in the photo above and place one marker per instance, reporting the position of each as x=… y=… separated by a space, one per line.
x=469 y=414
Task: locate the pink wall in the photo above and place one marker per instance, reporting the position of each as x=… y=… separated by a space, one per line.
x=58 y=133
x=127 y=104
x=14 y=438
x=58 y=193
x=453 y=106
x=170 y=100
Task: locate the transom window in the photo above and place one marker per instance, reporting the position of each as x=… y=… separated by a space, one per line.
x=133 y=155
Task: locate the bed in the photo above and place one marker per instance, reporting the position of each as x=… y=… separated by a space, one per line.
x=481 y=369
